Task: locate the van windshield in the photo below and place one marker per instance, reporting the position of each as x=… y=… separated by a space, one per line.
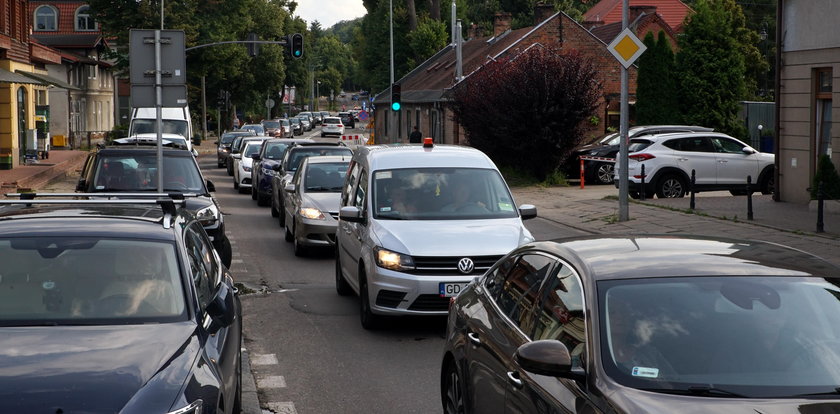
x=441 y=194
x=170 y=126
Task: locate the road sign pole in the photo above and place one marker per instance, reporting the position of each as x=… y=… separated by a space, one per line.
x=158 y=112
x=623 y=184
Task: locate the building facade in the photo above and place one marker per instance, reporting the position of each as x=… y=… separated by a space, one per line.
x=808 y=98
x=87 y=105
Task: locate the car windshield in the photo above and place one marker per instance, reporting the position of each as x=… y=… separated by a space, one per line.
x=89 y=281
x=147 y=126
x=251 y=148
x=441 y=194
x=324 y=177
x=258 y=129
x=138 y=172
x=757 y=337
x=228 y=138
x=271 y=124
x=297 y=156
x=274 y=150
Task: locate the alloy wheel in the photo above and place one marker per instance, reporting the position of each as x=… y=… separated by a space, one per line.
x=453 y=402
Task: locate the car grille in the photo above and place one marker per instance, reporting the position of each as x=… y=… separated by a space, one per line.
x=429 y=265
x=430 y=303
x=334 y=215
x=389 y=298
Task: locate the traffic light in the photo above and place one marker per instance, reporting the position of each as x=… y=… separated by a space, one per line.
x=296 y=45
x=396 y=99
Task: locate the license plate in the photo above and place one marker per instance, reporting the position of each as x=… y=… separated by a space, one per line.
x=448 y=290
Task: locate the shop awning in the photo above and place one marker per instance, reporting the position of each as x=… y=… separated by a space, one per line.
x=49 y=80
x=11 y=77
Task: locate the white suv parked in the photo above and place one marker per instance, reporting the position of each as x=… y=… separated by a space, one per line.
x=720 y=162
x=418 y=223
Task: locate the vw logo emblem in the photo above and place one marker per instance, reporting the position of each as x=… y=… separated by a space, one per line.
x=466 y=265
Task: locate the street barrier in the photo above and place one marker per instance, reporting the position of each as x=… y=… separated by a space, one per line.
x=588 y=158
x=353 y=139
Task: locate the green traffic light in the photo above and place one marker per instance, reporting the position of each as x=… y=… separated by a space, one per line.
x=395 y=106
x=297 y=52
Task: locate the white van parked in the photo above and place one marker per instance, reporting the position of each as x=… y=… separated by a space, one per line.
x=175 y=121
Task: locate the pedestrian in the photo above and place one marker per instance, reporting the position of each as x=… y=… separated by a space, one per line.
x=416 y=137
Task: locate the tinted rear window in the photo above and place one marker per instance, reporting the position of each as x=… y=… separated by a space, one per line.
x=637 y=145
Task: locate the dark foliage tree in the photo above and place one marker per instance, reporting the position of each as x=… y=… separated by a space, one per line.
x=827 y=175
x=710 y=68
x=528 y=111
x=656 y=94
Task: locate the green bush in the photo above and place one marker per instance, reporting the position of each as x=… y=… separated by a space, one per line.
x=827 y=174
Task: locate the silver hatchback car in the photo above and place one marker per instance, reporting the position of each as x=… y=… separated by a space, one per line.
x=417 y=223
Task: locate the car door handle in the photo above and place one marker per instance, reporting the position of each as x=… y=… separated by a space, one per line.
x=722 y=161
x=513 y=377
x=474 y=338
x=682 y=159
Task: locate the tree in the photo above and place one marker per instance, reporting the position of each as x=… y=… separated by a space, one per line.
x=710 y=68
x=528 y=111
x=428 y=39
x=656 y=93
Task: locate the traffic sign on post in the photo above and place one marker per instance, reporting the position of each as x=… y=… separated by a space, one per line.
x=141 y=55
x=626 y=47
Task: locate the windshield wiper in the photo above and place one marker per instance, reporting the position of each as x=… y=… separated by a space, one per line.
x=815 y=394
x=700 y=390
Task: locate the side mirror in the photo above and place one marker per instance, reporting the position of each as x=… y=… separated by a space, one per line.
x=277 y=167
x=210 y=187
x=81 y=185
x=351 y=214
x=748 y=150
x=289 y=188
x=527 y=211
x=256 y=157
x=236 y=155
x=222 y=309
x=547 y=357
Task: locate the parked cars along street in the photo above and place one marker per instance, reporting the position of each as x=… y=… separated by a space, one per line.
x=257 y=128
x=115 y=308
x=312 y=199
x=417 y=223
x=271 y=154
x=133 y=169
x=646 y=324
x=292 y=159
x=720 y=162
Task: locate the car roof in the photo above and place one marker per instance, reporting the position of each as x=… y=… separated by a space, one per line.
x=130 y=149
x=653 y=256
x=669 y=135
x=396 y=156
x=325 y=159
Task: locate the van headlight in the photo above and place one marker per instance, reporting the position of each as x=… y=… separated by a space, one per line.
x=393 y=260
x=208 y=215
x=311 y=213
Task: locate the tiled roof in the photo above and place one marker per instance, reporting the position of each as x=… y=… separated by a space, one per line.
x=66 y=15
x=673 y=12
x=77 y=40
x=608 y=32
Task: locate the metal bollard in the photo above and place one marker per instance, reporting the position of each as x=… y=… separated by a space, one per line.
x=820 y=202
x=642 y=185
x=691 y=188
x=749 y=198
x=582 y=173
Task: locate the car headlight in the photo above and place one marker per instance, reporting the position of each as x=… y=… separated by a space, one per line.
x=393 y=260
x=246 y=168
x=311 y=213
x=208 y=215
x=194 y=408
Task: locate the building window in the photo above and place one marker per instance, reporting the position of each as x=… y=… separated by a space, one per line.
x=822 y=113
x=46 y=19
x=84 y=21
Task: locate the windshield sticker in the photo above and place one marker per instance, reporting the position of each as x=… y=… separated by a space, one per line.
x=645 y=372
x=384 y=209
x=100 y=187
x=505 y=206
x=383 y=175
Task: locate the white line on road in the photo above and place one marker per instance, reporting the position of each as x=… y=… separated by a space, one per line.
x=271 y=382
x=281 y=408
x=264 y=359
x=237 y=261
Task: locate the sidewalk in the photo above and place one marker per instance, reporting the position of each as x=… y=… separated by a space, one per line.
x=595 y=210
x=35 y=176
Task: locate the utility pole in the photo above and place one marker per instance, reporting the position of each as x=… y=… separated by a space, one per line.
x=623 y=161
x=391 y=114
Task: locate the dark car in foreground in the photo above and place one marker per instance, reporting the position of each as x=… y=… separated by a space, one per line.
x=646 y=324
x=115 y=307
x=134 y=170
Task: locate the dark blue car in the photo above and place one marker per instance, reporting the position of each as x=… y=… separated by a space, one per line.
x=111 y=306
x=270 y=155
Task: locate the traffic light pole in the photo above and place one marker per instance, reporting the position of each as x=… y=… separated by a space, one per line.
x=391 y=117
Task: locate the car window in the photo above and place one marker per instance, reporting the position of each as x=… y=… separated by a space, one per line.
x=690 y=144
x=138 y=172
x=441 y=194
x=271 y=124
x=349 y=183
x=755 y=336
x=148 y=126
x=201 y=268
x=89 y=280
x=324 y=177
x=637 y=145
x=274 y=150
x=518 y=296
x=727 y=145
x=252 y=148
x=560 y=312
x=297 y=155
x=360 y=199
x=494 y=281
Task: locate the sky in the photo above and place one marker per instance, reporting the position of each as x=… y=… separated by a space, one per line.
x=329 y=12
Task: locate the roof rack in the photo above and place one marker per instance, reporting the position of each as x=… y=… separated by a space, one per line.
x=126 y=195
x=166 y=203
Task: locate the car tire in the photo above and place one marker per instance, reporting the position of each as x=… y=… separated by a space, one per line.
x=230 y=168
x=738 y=192
x=226 y=252
x=604 y=173
x=274 y=211
x=262 y=200
x=369 y=320
x=322 y=135
x=289 y=236
x=253 y=192
x=341 y=285
x=237 y=394
x=670 y=186
x=453 y=391
x=768 y=183
x=243 y=190
x=235 y=184
x=221 y=164
x=282 y=216
x=300 y=250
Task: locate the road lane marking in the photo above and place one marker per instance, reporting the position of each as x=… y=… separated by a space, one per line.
x=274 y=381
x=264 y=359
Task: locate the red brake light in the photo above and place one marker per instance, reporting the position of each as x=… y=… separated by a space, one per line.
x=641 y=157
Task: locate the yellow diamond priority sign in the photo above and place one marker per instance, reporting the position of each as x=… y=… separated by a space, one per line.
x=626 y=47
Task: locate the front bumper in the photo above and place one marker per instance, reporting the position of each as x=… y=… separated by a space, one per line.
x=316 y=232
x=397 y=293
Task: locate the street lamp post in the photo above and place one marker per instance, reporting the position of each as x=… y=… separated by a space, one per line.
x=317 y=96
